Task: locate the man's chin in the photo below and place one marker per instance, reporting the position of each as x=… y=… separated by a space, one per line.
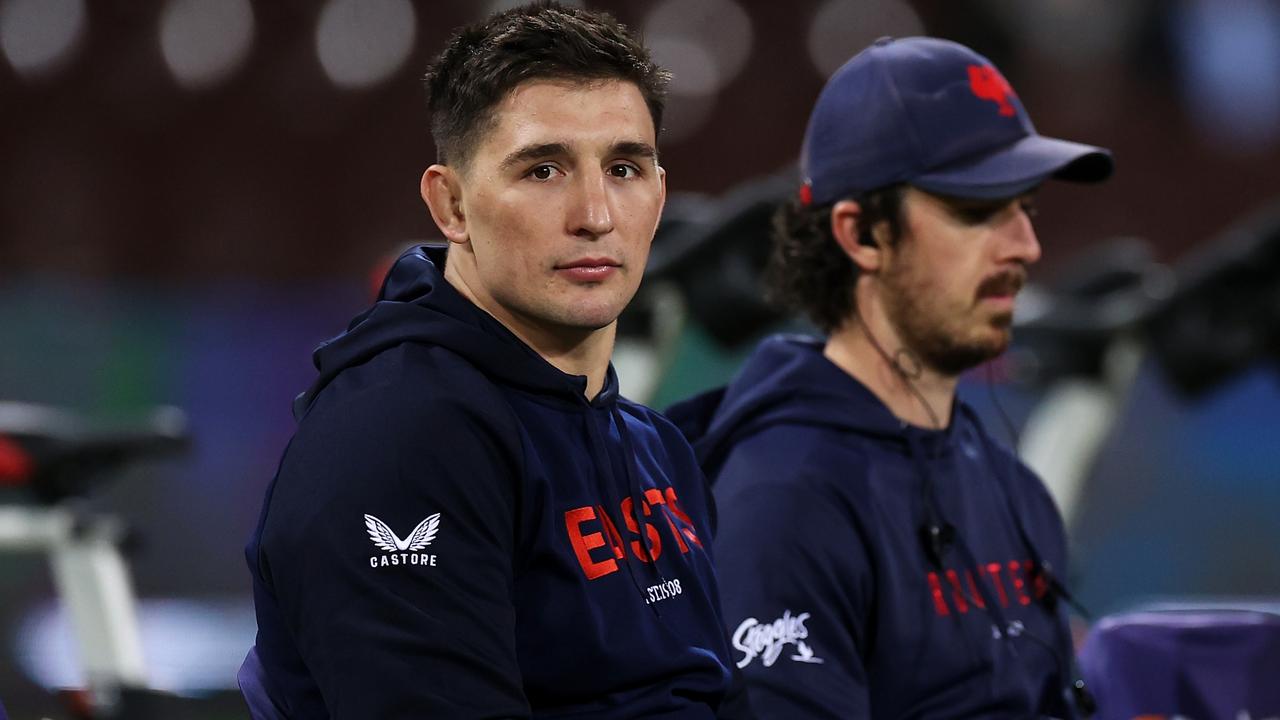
x=999 y=341
x=589 y=321
x=591 y=311
x=1002 y=320
x=962 y=357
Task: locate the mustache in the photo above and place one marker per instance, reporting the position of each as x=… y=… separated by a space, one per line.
x=1005 y=282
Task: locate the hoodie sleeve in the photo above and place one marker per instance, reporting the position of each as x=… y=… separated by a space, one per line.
x=389 y=545
x=795 y=584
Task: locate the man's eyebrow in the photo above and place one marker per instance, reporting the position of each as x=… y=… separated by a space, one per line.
x=635 y=149
x=542 y=151
x=528 y=153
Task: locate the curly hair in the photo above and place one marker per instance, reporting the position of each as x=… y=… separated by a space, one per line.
x=808 y=271
x=544 y=40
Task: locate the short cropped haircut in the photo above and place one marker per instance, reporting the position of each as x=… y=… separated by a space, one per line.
x=483 y=62
x=808 y=271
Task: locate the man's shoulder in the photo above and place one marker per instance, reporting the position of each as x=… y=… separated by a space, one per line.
x=405 y=421
x=410 y=401
x=821 y=464
x=811 y=449
x=412 y=380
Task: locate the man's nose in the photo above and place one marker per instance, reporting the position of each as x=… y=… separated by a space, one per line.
x=591 y=214
x=1021 y=243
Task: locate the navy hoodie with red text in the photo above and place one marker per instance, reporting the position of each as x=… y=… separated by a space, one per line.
x=835 y=608
x=455 y=531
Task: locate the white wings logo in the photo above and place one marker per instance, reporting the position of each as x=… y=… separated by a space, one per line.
x=385 y=539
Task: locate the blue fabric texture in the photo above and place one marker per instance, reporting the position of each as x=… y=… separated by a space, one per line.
x=835 y=608
x=455 y=531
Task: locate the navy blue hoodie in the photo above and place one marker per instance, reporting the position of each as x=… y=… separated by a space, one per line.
x=452 y=533
x=835 y=608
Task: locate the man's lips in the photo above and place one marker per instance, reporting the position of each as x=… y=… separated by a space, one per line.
x=588 y=269
x=589 y=262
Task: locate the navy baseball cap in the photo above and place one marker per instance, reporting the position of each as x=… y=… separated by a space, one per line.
x=936 y=115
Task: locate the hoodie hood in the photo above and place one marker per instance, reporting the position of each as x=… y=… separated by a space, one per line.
x=417 y=304
x=788 y=380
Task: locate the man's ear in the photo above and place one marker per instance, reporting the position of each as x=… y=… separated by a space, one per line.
x=441 y=190
x=662 y=198
x=846 y=227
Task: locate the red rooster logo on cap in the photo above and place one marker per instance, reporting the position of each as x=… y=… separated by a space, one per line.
x=988 y=84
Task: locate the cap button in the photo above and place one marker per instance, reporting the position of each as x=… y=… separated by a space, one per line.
x=883 y=40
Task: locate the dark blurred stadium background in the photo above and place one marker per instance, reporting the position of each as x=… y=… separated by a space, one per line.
x=194 y=193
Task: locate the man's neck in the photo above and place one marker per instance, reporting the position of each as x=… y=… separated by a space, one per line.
x=866 y=349
x=586 y=352
x=574 y=351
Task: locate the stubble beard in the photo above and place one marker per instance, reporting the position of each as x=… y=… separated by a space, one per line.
x=581 y=316
x=937 y=335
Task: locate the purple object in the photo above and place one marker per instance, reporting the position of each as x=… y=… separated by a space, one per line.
x=252 y=679
x=1198 y=663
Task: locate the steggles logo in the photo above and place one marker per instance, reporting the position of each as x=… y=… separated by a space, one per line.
x=766 y=640
x=402 y=552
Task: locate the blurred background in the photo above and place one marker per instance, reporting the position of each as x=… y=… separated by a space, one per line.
x=194 y=193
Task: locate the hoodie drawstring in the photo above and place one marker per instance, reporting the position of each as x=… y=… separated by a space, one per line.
x=1069 y=673
x=938 y=534
x=1084 y=701
x=633 y=486
x=607 y=485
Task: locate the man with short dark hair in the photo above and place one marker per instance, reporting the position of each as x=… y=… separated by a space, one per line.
x=469 y=521
x=880 y=555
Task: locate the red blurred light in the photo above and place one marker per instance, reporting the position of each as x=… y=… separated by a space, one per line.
x=15 y=463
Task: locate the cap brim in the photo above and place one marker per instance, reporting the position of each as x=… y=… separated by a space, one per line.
x=1019 y=168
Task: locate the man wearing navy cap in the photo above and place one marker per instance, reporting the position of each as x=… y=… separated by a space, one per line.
x=880 y=555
